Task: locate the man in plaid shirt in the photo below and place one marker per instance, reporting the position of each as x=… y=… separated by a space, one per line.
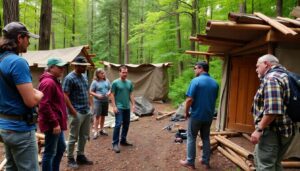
x=274 y=129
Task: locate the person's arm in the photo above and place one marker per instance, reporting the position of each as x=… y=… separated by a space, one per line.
x=132 y=102
x=113 y=102
x=30 y=96
x=69 y=104
x=188 y=104
x=265 y=121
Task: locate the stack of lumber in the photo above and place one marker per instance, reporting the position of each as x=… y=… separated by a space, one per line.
x=237 y=154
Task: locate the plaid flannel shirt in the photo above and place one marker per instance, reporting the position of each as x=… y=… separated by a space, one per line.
x=271 y=98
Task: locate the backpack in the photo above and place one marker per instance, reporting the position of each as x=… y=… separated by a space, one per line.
x=293 y=106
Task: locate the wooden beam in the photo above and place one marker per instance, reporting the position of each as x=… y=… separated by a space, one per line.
x=255 y=43
x=282 y=28
x=290 y=164
x=245 y=18
x=276 y=36
x=258 y=50
x=203 y=39
x=203 y=53
x=92 y=55
x=295 y=22
x=232 y=25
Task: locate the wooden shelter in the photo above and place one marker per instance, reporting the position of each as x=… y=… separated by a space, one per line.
x=37 y=60
x=240 y=42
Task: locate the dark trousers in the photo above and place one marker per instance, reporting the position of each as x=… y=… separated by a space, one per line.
x=122 y=117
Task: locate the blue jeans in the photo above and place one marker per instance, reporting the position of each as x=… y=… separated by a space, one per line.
x=122 y=117
x=20 y=150
x=194 y=126
x=55 y=147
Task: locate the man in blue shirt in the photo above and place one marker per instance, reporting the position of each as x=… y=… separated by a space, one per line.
x=75 y=87
x=17 y=99
x=199 y=110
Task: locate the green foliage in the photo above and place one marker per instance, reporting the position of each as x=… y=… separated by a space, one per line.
x=180 y=85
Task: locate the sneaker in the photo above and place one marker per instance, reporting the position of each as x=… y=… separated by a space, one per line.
x=126 y=143
x=82 y=160
x=72 y=163
x=186 y=164
x=95 y=136
x=102 y=132
x=116 y=149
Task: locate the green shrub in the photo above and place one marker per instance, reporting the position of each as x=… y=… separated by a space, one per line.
x=180 y=85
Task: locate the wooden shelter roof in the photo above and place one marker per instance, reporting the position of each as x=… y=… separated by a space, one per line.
x=245 y=32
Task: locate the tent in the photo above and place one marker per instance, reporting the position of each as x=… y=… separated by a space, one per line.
x=37 y=60
x=240 y=42
x=150 y=80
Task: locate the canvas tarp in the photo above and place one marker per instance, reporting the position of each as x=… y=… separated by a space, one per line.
x=149 y=80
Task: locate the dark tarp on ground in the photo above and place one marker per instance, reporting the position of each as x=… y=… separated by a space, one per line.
x=150 y=80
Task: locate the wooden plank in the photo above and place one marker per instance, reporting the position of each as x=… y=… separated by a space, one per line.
x=240 y=150
x=297 y=23
x=165 y=115
x=203 y=53
x=233 y=159
x=253 y=44
x=290 y=164
x=235 y=26
x=245 y=18
x=204 y=39
x=246 y=136
x=276 y=36
x=282 y=28
x=228 y=133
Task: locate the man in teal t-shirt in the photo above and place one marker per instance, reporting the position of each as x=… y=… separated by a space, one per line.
x=121 y=96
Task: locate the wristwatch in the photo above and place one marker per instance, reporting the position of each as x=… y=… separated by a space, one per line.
x=259 y=130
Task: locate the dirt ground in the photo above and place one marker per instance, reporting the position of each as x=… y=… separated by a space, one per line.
x=154 y=149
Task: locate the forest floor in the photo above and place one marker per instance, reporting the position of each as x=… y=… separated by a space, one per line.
x=154 y=149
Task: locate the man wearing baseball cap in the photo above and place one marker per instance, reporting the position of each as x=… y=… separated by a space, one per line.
x=75 y=87
x=53 y=114
x=17 y=100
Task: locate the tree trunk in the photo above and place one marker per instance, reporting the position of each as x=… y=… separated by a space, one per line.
x=73 y=23
x=10 y=11
x=110 y=25
x=120 y=33
x=178 y=31
x=53 y=40
x=194 y=23
x=279 y=8
x=141 y=56
x=36 y=22
x=65 y=26
x=252 y=7
x=0 y=25
x=298 y=3
x=243 y=7
x=92 y=26
x=126 y=32
x=45 y=25
x=25 y=11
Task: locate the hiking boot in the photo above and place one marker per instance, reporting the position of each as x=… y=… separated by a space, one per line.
x=116 y=149
x=102 y=132
x=95 y=136
x=72 y=163
x=185 y=163
x=82 y=160
x=126 y=143
x=206 y=166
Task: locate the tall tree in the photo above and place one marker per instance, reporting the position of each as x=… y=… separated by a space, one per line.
x=120 y=33
x=194 y=22
x=126 y=32
x=45 y=25
x=279 y=7
x=73 y=23
x=10 y=11
x=243 y=6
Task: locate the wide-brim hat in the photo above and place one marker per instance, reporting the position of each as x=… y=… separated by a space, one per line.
x=80 y=60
